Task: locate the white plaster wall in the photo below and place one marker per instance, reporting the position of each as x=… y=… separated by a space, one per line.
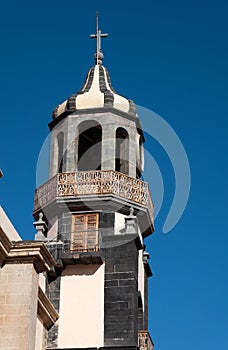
x=119 y=222
x=42 y=281
x=141 y=275
x=81 y=322
x=39 y=335
x=53 y=231
x=8 y=227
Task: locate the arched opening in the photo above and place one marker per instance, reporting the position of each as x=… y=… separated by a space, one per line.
x=140 y=159
x=122 y=151
x=89 y=146
x=60 y=141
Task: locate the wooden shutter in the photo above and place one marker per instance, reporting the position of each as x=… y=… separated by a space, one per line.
x=84 y=235
x=78 y=229
x=92 y=227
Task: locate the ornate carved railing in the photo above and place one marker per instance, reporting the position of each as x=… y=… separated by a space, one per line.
x=94 y=182
x=145 y=341
x=46 y=193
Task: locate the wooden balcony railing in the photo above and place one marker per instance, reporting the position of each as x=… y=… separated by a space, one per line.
x=94 y=183
x=145 y=341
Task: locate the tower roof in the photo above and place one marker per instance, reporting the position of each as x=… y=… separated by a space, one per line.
x=97 y=92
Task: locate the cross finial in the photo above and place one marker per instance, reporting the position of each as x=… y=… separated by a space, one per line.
x=98 y=55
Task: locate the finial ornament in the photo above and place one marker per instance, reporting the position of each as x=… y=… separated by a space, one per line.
x=41 y=228
x=99 y=35
x=131 y=211
x=41 y=216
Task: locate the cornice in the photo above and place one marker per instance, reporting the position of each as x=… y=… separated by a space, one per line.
x=31 y=252
x=25 y=252
x=46 y=311
x=5 y=246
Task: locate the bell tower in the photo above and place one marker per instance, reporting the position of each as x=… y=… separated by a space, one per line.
x=95 y=212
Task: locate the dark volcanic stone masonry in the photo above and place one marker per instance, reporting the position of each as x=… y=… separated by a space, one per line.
x=121 y=295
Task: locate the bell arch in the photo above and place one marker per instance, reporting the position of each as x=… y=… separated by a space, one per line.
x=89 y=146
x=60 y=145
x=122 y=151
x=140 y=157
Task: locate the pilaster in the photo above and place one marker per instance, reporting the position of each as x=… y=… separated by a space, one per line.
x=108 y=145
x=21 y=300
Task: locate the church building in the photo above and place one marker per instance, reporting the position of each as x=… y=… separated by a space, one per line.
x=82 y=283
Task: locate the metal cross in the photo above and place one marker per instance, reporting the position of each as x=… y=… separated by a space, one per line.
x=98 y=36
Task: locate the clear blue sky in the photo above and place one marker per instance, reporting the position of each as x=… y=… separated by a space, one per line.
x=168 y=56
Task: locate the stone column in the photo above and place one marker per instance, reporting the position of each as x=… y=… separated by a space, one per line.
x=108 y=145
x=71 y=147
x=132 y=152
x=53 y=167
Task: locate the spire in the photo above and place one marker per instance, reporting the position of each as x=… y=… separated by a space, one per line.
x=99 y=35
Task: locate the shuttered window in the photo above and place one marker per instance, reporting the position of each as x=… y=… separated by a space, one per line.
x=84 y=236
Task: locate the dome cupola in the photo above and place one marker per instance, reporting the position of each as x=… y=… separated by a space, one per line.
x=97 y=92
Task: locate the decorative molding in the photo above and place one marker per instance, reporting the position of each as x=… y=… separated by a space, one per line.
x=72 y=258
x=31 y=252
x=105 y=109
x=46 y=311
x=27 y=252
x=5 y=245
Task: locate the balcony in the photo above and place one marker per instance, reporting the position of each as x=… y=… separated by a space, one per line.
x=83 y=247
x=145 y=341
x=85 y=183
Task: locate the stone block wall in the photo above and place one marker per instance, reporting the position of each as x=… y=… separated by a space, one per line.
x=53 y=293
x=121 y=295
x=18 y=307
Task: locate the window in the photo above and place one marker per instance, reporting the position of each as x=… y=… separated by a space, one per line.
x=84 y=233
